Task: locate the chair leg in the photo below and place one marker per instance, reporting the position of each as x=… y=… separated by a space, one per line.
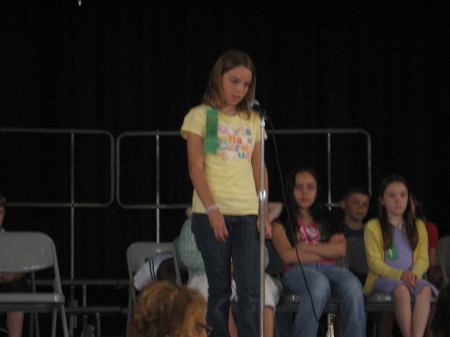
x=375 y=327
x=30 y=328
x=99 y=332
x=54 y=317
x=36 y=324
x=64 y=321
x=130 y=306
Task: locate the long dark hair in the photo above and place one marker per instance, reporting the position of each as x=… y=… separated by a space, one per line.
x=317 y=210
x=408 y=215
x=419 y=211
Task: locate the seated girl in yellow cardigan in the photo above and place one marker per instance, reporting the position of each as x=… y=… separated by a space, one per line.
x=397 y=255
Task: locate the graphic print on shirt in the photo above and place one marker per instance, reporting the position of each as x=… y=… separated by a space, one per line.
x=234 y=142
x=307 y=234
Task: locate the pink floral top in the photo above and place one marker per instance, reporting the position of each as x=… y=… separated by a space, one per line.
x=311 y=235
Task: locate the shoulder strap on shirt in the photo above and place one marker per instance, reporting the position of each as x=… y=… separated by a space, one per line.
x=212 y=117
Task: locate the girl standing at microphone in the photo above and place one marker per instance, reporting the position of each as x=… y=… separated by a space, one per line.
x=223 y=146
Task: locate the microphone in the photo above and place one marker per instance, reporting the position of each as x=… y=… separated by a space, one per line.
x=254 y=105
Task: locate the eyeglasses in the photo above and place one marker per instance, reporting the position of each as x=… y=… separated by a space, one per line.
x=207 y=328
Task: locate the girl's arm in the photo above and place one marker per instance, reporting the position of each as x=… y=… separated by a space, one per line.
x=275 y=209
x=195 y=162
x=420 y=255
x=336 y=248
x=189 y=253
x=256 y=166
x=286 y=251
x=373 y=242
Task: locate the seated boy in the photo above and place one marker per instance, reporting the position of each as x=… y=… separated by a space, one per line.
x=355 y=204
x=159 y=267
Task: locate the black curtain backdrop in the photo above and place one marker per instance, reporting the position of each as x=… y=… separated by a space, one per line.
x=140 y=65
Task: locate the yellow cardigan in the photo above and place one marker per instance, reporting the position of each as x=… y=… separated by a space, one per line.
x=373 y=242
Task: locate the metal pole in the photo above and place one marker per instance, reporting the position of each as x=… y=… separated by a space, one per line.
x=73 y=318
x=329 y=169
x=262 y=237
x=157 y=189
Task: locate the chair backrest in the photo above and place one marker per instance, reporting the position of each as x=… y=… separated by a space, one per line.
x=180 y=268
x=356 y=256
x=31 y=252
x=443 y=250
x=25 y=252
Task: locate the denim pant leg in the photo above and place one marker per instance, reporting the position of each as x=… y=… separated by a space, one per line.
x=306 y=324
x=217 y=258
x=245 y=252
x=346 y=287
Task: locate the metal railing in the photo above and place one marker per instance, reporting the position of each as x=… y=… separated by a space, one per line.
x=329 y=133
x=72 y=204
x=158 y=135
x=115 y=176
x=115 y=170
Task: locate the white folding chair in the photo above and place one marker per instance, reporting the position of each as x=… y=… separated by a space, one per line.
x=443 y=251
x=137 y=252
x=31 y=252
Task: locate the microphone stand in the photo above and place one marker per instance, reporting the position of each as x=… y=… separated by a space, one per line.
x=262 y=196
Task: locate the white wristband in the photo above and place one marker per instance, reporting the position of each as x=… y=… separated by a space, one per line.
x=211 y=208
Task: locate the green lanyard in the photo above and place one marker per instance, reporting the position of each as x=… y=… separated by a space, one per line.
x=212 y=118
x=393 y=251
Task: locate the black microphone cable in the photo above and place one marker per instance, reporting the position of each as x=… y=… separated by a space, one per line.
x=255 y=106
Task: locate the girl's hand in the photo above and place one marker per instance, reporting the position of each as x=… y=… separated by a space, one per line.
x=409 y=278
x=267 y=226
x=218 y=225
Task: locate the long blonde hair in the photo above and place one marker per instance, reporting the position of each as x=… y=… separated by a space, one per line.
x=231 y=59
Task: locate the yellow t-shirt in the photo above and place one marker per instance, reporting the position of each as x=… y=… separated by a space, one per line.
x=228 y=171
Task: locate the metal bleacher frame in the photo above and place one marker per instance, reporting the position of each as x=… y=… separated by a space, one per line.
x=72 y=307
x=294 y=132
x=115 y=154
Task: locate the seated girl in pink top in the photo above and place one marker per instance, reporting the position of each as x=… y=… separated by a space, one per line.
x=306 y=234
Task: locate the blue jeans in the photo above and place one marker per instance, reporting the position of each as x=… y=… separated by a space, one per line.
x=325 y=280
x=241 y=245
